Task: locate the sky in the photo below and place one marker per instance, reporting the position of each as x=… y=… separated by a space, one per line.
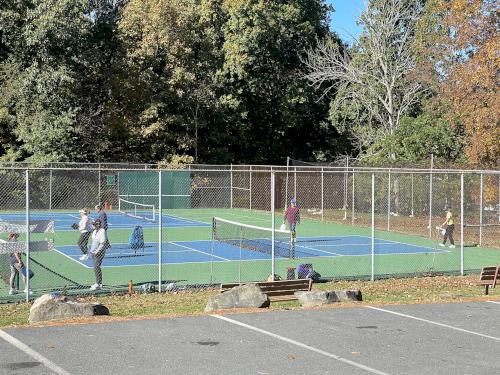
x=343 y=20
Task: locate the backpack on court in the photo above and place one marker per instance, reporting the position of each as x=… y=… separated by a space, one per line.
x=136 y=240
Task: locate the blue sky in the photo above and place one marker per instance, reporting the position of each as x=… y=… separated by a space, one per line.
x=343 y=20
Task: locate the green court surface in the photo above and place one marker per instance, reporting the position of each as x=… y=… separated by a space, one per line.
x=56 y=271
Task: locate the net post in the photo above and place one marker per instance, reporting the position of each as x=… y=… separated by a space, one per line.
x=481 y=211
x=430 y=196
x=462 y=224
x=373 y=229
x=27 y=278
x=273 y=224
x=160 y=233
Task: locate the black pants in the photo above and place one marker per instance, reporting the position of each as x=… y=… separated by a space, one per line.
x=83 y=241
x=449 y=234
x=97 y=266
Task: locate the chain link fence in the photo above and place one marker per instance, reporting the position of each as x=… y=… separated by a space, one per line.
x=204 y=225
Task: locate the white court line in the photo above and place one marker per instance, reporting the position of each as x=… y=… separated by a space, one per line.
x=69 y=257
x=315 y=249
x=435 y=323
x=496 y=302
x=37 y=356
x=303 y=346
x=198 y=251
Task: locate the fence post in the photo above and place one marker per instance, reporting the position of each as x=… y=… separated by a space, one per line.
x=481 y=211
x=352 y=209
x=50 y=189
x=430 y=197
x=389 y=202
x=250 y=187
x=241 y=254
x=99 y=200
x=160 y=232
x=212 y=251
x=346 y=182
x=412 y=199
x=286 y=180
x=373 y=227
x=273 y=224
x=27 y=279
x=322 y=193
x=231 y=189
x=295 y=183
x=462 y=224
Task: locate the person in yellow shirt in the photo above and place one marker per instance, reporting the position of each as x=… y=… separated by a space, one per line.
x=450 y=227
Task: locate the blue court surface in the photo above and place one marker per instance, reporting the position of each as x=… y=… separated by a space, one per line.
x=63 y=220
x=203 y=251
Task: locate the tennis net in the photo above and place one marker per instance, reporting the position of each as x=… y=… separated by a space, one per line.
x=252 y=237
x=137 y=210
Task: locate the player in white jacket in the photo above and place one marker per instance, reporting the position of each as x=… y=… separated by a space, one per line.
x=85 y=229
x=98 y=250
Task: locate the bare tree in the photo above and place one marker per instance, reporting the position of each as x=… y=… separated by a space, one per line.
x=371 y=79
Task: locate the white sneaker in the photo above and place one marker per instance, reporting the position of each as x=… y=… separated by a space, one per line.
x=441 y=244
x=84 y=257
x=28 y=291
x=451 y=246
x=12 y=291
x=96 y=286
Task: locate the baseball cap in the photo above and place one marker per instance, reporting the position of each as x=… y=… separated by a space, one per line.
x=293 y=201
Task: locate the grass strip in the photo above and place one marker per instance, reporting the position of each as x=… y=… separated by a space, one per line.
x=439 y=289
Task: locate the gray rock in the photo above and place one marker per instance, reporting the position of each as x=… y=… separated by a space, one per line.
x=349 y=295
x=318 y=298
x=56 y=307
x=243 y=296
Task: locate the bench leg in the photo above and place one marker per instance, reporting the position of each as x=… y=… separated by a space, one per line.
x=487 y=289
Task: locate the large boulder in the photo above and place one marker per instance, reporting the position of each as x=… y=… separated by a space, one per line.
x=318 y=298
x=243 y=296
x=56 y=307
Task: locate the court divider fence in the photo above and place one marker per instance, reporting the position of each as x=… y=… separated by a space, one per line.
x=355 y=222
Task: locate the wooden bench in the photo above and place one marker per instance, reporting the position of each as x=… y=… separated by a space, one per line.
x=282 y=290
x=489 y=276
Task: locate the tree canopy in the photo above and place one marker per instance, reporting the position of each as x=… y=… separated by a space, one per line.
x=247 y=81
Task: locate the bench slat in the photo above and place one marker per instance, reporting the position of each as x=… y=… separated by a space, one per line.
x=488 y=277
x=276 y=290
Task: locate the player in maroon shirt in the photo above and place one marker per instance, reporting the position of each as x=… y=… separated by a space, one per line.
x=292 y=215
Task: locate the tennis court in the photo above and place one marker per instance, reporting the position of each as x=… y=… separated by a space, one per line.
x=348 y=229
x=190 y=258
x=120 y=255
x=63 y=220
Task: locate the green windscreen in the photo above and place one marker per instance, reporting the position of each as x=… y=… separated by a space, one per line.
x=142 y=187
